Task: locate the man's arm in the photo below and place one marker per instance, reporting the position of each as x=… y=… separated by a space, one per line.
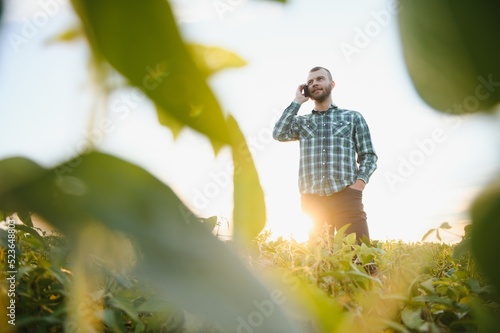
x=287 y=128
x=367 y=158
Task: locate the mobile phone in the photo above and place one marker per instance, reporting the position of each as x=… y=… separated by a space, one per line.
x=305 y=91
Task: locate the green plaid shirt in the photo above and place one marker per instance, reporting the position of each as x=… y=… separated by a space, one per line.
x=335 y=148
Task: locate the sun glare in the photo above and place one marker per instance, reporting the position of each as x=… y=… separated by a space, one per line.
x=292 y=224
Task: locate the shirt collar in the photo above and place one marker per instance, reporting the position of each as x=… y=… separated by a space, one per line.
x=332 y=107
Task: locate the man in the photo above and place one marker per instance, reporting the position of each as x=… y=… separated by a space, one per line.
x=336 y=156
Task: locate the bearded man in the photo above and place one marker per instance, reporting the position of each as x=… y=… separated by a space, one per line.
x=337 y=157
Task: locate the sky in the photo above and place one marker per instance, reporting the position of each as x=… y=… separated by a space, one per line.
x=430 y=165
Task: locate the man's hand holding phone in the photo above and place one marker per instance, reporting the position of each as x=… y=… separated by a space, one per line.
x=302 y=94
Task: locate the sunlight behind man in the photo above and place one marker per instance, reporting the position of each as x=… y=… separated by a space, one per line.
x=295 y=226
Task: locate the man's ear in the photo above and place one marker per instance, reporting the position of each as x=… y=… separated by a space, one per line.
x=332 y=84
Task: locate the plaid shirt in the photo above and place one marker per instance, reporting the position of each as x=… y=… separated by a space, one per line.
x=330 y=141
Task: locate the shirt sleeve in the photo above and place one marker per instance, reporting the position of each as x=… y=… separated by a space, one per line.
x=287 y=127
x=367 y=158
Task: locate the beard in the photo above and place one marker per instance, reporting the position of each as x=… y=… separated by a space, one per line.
x=324 y=94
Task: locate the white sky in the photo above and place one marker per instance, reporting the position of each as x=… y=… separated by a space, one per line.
x=442 y=162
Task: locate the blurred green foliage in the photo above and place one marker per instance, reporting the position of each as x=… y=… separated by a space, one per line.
x=452 y=53
x=141 y=41
x=421 y=287
x=324 y=286
x=132 y=257
x=95 y=195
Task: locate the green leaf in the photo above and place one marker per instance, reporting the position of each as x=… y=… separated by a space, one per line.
x=179 y=257
x=33 y=233
x=412 y=318
x=445 y=225
x=340 y=234
x=16 y=172
x=3 y=238
x=397 y=327
x=25 y=217
x=143 y=43
x=249 y=215
x=210 y=222
x=109 y=317
x=140 y=40
x=428 y=286
x=462 y=248
x=428 y=233
x=124 y=304
x=211 y=59
x=490 y=321
x=485 y=215
x=350 y=238
x=451 y=52
x=167 y=120
x=68 y=35
x=433 y=299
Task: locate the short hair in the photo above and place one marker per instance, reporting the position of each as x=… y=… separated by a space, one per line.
x=317 y=68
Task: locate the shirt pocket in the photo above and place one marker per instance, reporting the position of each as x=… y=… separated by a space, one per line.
x=308 y=130
x=341 y=129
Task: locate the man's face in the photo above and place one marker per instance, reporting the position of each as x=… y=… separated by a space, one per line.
x=319 y=84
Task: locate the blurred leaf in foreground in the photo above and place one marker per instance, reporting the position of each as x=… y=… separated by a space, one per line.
x=452 y=52
x=249 y=215
x=211 y=59
x=140 y=40
x=485 y=231
x=180 y=256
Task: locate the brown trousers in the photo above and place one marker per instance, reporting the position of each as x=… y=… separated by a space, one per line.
x=337 y=210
